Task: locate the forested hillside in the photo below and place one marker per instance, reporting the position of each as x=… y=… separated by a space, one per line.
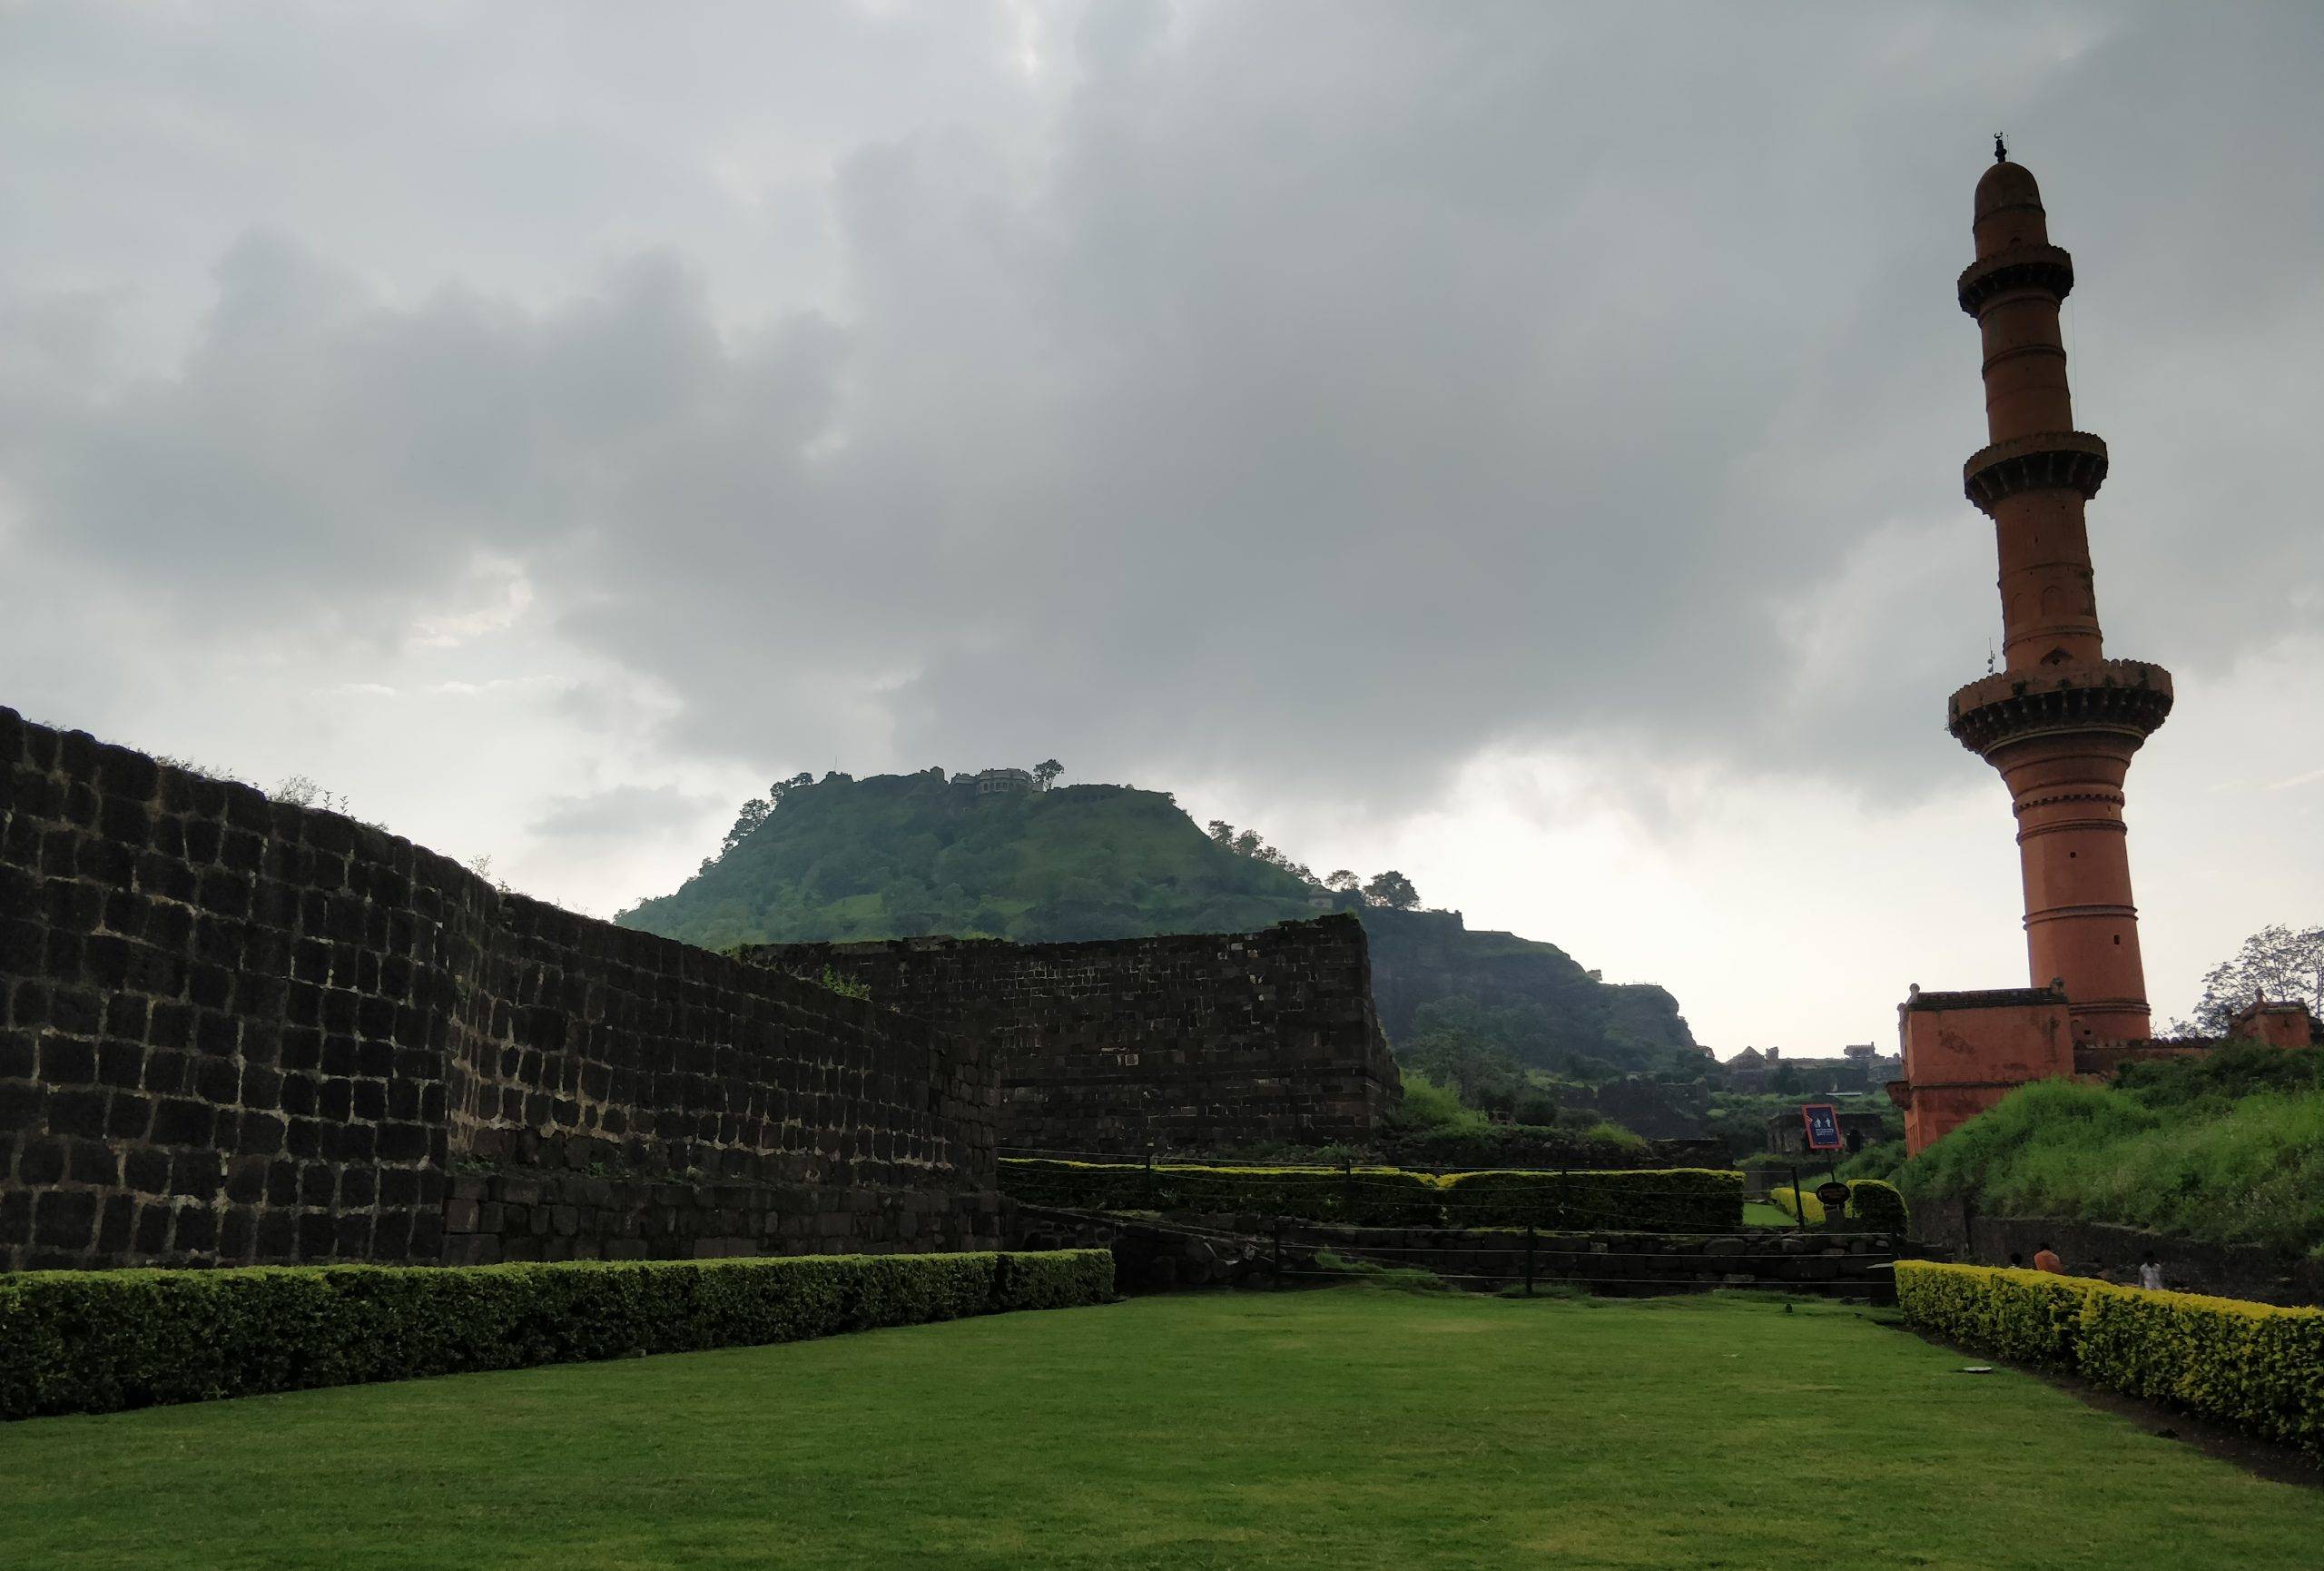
x=899 y=855
x=895 y=855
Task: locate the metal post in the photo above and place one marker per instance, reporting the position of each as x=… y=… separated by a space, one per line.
x=1149 y=1176
x=1278 y=1254
x=1798 y=1201
x=1529 y=1259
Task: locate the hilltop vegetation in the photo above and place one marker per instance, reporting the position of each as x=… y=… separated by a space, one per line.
x=2229 y=1148
x=897 y=855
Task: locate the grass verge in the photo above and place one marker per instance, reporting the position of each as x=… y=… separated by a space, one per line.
x=1351 y=1427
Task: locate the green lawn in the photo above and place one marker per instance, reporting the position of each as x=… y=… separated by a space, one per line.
x=1760 y=1214
x=1346 y=1430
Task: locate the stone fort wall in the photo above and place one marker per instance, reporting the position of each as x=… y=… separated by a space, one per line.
x=1182 y=1041
x=237 y=1031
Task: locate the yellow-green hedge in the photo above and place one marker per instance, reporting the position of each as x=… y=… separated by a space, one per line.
x=1665 y=1200
x=2256 y=1366
x=1690 y=1199
x=95 y=1342
x=1875 y=1202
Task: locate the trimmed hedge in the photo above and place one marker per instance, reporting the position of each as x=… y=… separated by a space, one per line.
x=1690 y=1199
x=2258 y=1367
x=97 y=1341
x=1667 y=1200
x=1364 y=1197
x=1875 y=1202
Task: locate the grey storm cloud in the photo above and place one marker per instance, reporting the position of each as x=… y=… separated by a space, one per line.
x=1314 y=393
x=621 y=811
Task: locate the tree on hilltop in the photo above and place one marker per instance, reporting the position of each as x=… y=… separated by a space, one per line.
x=2282 y=964
x=1393 y=890
x=755 y=812
x=1045 y=772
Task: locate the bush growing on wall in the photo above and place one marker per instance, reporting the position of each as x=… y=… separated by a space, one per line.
x=97 y=1342
x=2256 y=1366
x=1667 y=1199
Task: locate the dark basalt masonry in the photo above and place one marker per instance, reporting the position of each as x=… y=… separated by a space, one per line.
x=1181 y=1041
x=235 y=1031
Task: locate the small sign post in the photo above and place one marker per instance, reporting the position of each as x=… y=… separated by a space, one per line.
x=1823 y=1121
x=1833 y=1196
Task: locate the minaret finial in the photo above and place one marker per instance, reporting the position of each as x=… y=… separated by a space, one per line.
x=2001 y=149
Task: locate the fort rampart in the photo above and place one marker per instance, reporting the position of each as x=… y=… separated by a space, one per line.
x=1202 y=1041
x=239 y=1030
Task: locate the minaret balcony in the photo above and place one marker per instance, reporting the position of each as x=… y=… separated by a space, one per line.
x=2045 y=460
x=2047 y=268
x=2122 y=697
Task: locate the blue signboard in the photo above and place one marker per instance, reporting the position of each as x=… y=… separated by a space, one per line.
x=1823 y=1126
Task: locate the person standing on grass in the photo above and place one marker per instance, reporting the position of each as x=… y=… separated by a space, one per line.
x=2045 y=1258
x=2150 y=1273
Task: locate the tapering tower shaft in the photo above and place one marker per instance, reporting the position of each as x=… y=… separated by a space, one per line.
x=2060 y=721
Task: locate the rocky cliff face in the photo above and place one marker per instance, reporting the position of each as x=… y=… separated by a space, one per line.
x=1418 y=957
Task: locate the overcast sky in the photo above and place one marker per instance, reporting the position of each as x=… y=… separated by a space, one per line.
x=1516 y=444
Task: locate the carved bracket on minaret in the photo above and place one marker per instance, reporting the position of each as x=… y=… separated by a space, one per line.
x=2074 y=461
x=2128 y=697
x=2047 y=268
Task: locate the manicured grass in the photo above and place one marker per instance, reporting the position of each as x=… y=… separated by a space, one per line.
x=1760 y=1214
x=1351 y=1428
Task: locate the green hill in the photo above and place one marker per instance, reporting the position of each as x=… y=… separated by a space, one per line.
x=2227 y=1147
x=896 y=855
x=899 y=855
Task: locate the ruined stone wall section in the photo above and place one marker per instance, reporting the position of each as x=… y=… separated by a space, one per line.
x=236 y=1031
x=1201 y=1041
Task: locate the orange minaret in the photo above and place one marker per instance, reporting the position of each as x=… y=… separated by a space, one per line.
x=2060 y=721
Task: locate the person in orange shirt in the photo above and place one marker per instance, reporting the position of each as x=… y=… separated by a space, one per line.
x=2045 y=1258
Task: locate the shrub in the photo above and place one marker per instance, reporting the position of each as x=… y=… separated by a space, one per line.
x=1646 y=1200
x=2256 y=1366
x=1427 y=1105
x=1607 y=1132
x=97 y=1342
x=1402 y=1278
x=1878 y=1204
x=1875 y=1202
x=1670 y=1200
x=1360 y=1197
x=1879 y=1159
x=846 y=986
x=1055 y=1279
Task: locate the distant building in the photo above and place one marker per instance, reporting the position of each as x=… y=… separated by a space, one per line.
x=1858 y=1067
x=1788 y=1131
x=1004 y=781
